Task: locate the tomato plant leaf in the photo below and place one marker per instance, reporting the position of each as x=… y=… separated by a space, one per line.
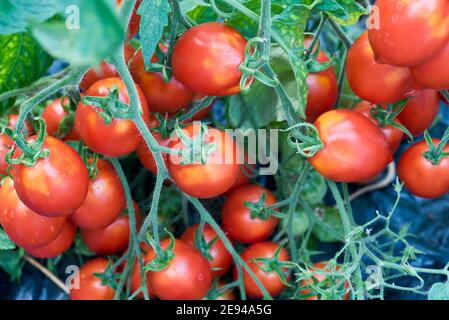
x=11 y=262
x=439 y=291
x=74 y=34
x=22 y=61
x=154 y=15
x=344 y=12
x=5 y=242
x=17 y=15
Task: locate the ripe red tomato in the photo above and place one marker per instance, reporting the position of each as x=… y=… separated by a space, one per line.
x=410 y=32
x=209 y=179
x=54 y=114
x=105 y=198
x=420 y=176
x=5 y=145
x=221 y=259
x=162 y=97
x=187 y=276
x=355 y=149
x=145 y=156
x=136 y=280
x=116 y=139
x=58 y=246
x=392 y=134
x=237 y=220
x=434 y=74
x=25 y=227
x=134 y=22
x=56 y=185
x=215 y=52
x=376 y=83
x=90 y=286
x=114 y=238
x=420 y=111
x=321 y=279
x=104 y=70
x=270 y=280
x=323 y=88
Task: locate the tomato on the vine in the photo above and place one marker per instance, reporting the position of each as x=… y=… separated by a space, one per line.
x=214 y=53
x=53 y=115
x=220 y=259
x=91 y=287
x=25 y=227
x=420 y=176
x=211 y=176
x=56 y=185
x=114 y=238
x=391 y=133
x=322 y=280
x=420 y=111
x=376 y=83
x=146 y=157
x=409 y=33
x=323 y=88
x=269 y=278
x=58 y=246
x=105 y=199
x=134 y=23
x=354 y=150
x=237 y=218
x=186 y=277
x=161 y=96
x=5 y=144
x=118 y=138
x=104 y=70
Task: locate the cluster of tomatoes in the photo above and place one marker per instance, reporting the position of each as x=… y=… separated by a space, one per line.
x=404 y=58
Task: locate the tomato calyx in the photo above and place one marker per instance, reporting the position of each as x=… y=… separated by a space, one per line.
x=196 y=149
x=202 y=245
x=305 y=138
x=386 y=116
x=255 y=58
x=436 y=152
x=110 y=107
x=163 y=257
x=109 y=277
x=274 y=264
x=258 y=210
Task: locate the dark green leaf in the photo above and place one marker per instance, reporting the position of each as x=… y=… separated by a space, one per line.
x=84 y=34
x=5 y=241
x=345 y=12
x=154 y=19
x=22 y=61
x=11 y=262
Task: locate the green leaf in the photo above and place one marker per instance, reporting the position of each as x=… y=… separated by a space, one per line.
x=5 y=242
x=154 y=19
x=344 y=12
x=11 y=262
x=439 y=291
x=17 y=15
x=84 y=34
x=22 y=61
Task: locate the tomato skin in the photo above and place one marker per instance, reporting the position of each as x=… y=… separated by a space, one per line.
x=420 y=111
x=136 y=280
x=187 y=276
x=236 y=217
x=214 y=177
x=114 y=238
x=420 y=176
x=105 y=70
x=105 y=198
x=134 y=23
x=221 y=259
x=25 y=227
x=393 y=135
x=376 y=83
x=162 y=97
x=53 y=115
x=434 y=74
x=410 y=32
x=223 y=49
x=56 y=185
x=5 y=145
x=58 y=246
x=323 y=88
x=319 y=278
x=120 y=137
x=90 y=286
x=355 y=149
x=146 y=157
x=270 y=280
